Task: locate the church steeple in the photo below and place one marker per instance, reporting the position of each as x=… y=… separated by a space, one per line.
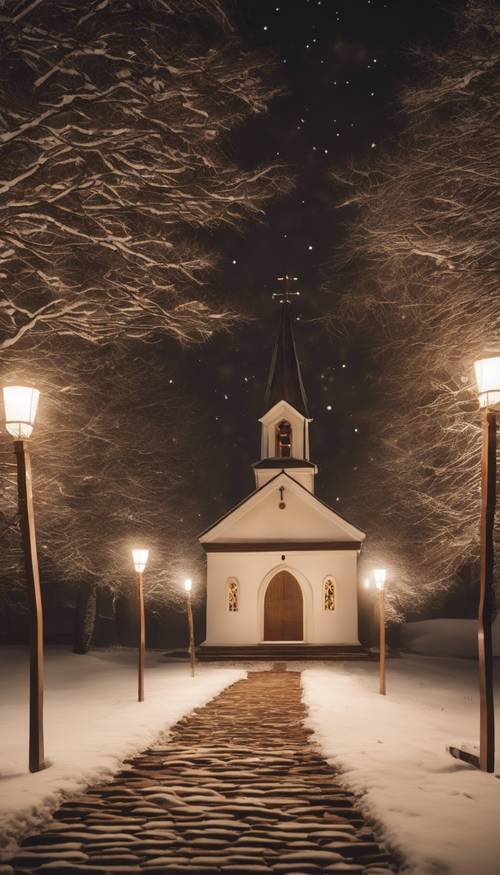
x=285 y=378
x=285 y=425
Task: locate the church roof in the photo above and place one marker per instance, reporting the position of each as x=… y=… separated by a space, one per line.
x=285 y=378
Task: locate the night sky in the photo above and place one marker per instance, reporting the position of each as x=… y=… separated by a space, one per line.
x=343 y=65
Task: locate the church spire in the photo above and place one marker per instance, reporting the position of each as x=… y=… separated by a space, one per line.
x=285 y=378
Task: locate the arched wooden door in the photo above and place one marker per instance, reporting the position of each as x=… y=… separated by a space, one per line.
x=283 y=609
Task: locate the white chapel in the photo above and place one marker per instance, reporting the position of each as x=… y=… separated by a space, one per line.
x=282 y=565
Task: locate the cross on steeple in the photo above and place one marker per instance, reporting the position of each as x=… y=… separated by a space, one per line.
x=286 y=294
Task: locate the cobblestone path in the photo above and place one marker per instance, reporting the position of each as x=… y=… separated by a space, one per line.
x=238 y=789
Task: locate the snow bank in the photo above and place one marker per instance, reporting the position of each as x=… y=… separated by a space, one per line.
x=446 y=637
x=439 y=814
x=92 y=722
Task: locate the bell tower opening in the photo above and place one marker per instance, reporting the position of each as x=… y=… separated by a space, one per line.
x=283 y=439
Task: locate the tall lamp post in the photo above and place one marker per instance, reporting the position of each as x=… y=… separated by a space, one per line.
x=488 y=385
x=488 y=389
x=140 y=557
x=21 y=404
x=188 y=585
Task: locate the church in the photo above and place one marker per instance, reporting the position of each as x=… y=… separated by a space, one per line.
x=282 y=566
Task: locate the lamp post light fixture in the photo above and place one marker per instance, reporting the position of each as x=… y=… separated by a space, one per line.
x=140 y=558
x=20 y=403
x=188 y=586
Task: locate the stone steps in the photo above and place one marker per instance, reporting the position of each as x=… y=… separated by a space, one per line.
x=282 y=652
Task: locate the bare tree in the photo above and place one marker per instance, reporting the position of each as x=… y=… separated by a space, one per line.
x=422 y=255
x=113 y=468
x=114 y=148
x=112 y=144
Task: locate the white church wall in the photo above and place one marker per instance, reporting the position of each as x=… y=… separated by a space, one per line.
x=254 y=570
x=223 y=626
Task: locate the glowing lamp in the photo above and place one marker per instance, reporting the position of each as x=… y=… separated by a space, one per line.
x=488 y=380
x=20 y=403
x=140 y=558
x=366 y=583
x=188 y=584
x=379 y=575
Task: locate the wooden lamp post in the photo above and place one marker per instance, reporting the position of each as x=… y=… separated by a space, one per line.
x=140 y=557
x=488 y=388
x=21 y=404
x=488 y=384
x=380 y=576
x=188 y=585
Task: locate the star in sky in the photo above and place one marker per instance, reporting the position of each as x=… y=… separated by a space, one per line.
x=342 y=65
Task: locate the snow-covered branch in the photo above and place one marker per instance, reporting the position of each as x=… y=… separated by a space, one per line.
x=423 y=252
x=112 y=139
x=115 y=127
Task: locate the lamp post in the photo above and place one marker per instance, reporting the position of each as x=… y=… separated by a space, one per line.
x=488 y=385
x=380 y=575
x=488 y=390
x=140 y=557
x=188 y=585
x=20 y=403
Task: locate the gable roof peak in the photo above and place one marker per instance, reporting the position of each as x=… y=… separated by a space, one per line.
x=308 y=497
x=281 y=408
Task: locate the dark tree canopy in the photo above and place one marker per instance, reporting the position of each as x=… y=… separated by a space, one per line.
x=112 y=150
x=422 y=255
x=115 y=152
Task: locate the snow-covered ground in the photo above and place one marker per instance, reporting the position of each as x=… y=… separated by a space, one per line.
x=92 y=722
x=439 y=814
x=446 y=637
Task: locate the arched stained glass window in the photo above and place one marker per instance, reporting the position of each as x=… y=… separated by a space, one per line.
x=329 y=594
x=232 y=594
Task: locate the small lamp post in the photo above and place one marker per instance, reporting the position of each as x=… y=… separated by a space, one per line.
x=20 y=403
x=140 y=557
x=488 y=386
x=380 y=576
x=188 y=585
